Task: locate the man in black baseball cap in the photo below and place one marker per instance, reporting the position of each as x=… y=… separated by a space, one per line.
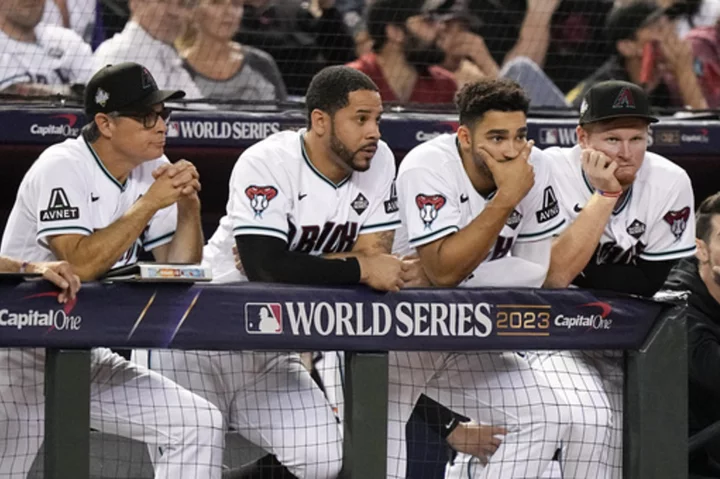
x=97 y=201
x=124 y=87
x=123 y=98
x=631 y=219
x=615 y=99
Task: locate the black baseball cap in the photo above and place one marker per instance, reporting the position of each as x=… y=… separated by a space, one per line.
x=615 y=99
x=124 y=87
x=384 y=12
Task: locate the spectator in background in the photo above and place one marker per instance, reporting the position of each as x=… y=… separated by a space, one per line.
x=37 y=59
x=689 y=14
x=468 y=58
x=466 y=54
x=303 y=37
x=406 y=55
x=672 y=81
x=77 y=15
x=705 y=43
x=353 y=12
x=148 y=39
x=701 y=277
x=551 y=33
x=221 y=68
x=363 y=42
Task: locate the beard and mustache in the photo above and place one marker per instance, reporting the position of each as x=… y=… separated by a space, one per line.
x=345 y=154
x=421 y=54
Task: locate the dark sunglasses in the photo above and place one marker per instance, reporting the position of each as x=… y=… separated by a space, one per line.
x=148 y=118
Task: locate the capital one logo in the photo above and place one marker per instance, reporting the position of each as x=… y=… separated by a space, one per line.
x=65 y=127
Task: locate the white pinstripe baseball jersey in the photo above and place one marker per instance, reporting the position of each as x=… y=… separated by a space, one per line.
x=68 y=190
x=655 y=221
x=276 y=191
x=437 y=199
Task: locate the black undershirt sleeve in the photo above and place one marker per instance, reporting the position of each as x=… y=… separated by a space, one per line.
x=644 y=278
x=438 y=418
x=267 y=259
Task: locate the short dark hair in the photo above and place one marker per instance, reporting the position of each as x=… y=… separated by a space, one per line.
x=382 y=13
x=330 y=89
x=623 y=22
x=703 y=218
x=477 y=98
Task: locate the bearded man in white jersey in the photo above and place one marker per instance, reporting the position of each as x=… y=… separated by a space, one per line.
x=632 y=217
x=314 y=207
x=94 y=201
x=480 y=209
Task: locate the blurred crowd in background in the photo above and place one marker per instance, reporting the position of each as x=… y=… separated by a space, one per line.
x=417 y=51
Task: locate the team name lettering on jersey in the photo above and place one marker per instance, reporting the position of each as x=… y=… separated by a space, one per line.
x=330 y=238
x=610 y=253
x=129 y=256
x=502 y=247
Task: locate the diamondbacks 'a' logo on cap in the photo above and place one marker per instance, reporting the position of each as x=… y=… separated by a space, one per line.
x=101 y=97
x=624 y=99
x=147 y=80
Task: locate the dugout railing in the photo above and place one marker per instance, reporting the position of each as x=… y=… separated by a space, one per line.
x=651 y=333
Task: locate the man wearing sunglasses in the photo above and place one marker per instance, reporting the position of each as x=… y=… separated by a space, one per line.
x=94 y=201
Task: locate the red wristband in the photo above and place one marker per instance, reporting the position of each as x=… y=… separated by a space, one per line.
x=609 y=194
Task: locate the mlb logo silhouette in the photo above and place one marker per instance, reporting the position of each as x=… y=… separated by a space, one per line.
x=549 y=136
x=263 y=318
x=173 y=130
